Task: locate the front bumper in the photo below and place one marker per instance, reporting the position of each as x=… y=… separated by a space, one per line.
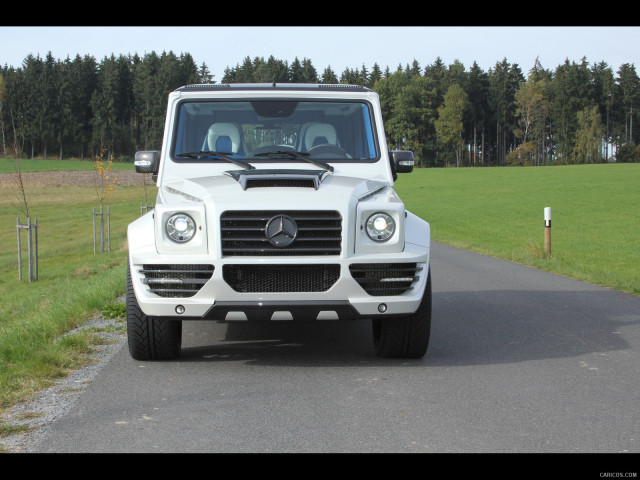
x=225 y=294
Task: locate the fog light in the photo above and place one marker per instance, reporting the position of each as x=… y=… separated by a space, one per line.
x=382 y=307
x=180 y=309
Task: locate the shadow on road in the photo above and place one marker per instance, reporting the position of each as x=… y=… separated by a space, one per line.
x=280 y=342
x=468 y=328
x=490 y=327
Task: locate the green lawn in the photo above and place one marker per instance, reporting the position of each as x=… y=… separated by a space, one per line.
x=73 y=283
x=500 y=212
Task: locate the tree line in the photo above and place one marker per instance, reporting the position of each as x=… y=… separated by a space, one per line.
x=446 y=114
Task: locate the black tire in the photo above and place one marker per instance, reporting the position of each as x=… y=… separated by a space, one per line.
x=150 y=338
x=407 y=336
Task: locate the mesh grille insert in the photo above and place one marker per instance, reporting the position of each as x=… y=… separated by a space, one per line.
x=280 y=182
x=280 y=278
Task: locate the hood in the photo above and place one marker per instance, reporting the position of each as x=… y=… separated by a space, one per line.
x=254 y=187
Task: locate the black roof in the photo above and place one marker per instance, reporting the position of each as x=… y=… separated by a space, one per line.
x=273 y=86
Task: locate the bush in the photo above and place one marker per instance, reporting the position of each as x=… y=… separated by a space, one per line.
x=628 y=153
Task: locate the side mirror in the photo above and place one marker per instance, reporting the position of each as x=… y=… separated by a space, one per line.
x=147 y=162
x=401 y=161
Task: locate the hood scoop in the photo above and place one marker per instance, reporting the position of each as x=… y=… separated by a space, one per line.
x=278 y=178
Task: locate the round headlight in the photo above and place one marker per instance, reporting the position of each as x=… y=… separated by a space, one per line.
x=380 y=227
x=181 y=227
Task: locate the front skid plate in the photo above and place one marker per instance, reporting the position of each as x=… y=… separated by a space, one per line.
x=266 y=311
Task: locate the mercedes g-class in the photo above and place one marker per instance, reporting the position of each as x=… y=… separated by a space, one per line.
x=276 y=202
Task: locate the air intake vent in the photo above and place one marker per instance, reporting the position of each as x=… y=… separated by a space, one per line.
x=315 y=233
x=278 y=178
x=385 y=279
x=300 y=183
x=280 y=278
x=176 y=280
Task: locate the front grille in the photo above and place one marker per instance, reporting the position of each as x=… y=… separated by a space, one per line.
x=243 y=233
x=384 y=279
x=176 y=280
x=280 y=278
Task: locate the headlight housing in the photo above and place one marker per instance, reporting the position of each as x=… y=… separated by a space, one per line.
x=380 y=227
x=180 y=227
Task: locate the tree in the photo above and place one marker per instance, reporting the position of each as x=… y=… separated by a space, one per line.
x=504 y=81
x=104 y=106
x=388 y=89
x=50 y=123
x=449 y=121
x=3 y=92
x=363 y=77
x=204 y=74
x=603 y=85
x=82 y=77
x=532 y=108
x=309 y=74
x=478 y=111
x=13 y=108
x=629 y=91
x=244 y=72
x=414 y=109
x=188 y=69
x=571 y=93
x=329 y=76
x=376 y=74
x=438 y=71
x=296 y=73
x=589 y=136
x=414 y=70
x=350 y=76
x=28 y=112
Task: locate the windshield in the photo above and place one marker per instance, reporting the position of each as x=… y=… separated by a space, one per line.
x=265 y=130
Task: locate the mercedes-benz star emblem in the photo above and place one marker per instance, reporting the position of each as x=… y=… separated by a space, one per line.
x=281 y=231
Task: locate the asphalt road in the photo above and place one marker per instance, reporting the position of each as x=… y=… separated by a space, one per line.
x=520 y=361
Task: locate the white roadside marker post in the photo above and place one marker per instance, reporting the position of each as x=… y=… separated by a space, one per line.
x=547 y=230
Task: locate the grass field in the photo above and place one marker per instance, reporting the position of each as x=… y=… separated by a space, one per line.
x=595 y=228
x=73 y=282
x=496 y=211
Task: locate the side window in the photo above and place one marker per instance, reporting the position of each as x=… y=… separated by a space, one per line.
x=369 y=146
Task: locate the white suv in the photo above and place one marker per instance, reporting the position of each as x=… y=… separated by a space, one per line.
x=276 y=202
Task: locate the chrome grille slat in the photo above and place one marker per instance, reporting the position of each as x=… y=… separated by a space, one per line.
x=385 y=279
x=175 y=280
x=243 y=233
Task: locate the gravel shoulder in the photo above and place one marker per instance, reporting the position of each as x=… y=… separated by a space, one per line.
x=53 y=403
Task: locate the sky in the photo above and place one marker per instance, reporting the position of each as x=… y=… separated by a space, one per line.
x=339 y=47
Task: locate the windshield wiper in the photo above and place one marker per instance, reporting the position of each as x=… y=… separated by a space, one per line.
x=293 y=153
x=223 y=155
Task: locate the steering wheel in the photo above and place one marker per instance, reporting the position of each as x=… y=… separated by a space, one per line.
x=327 y=149
x=270 y=148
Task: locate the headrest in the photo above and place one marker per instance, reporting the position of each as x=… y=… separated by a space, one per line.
x=215 y=139
x=319 y=133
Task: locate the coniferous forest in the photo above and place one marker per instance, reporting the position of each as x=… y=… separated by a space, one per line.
x=448 y=115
